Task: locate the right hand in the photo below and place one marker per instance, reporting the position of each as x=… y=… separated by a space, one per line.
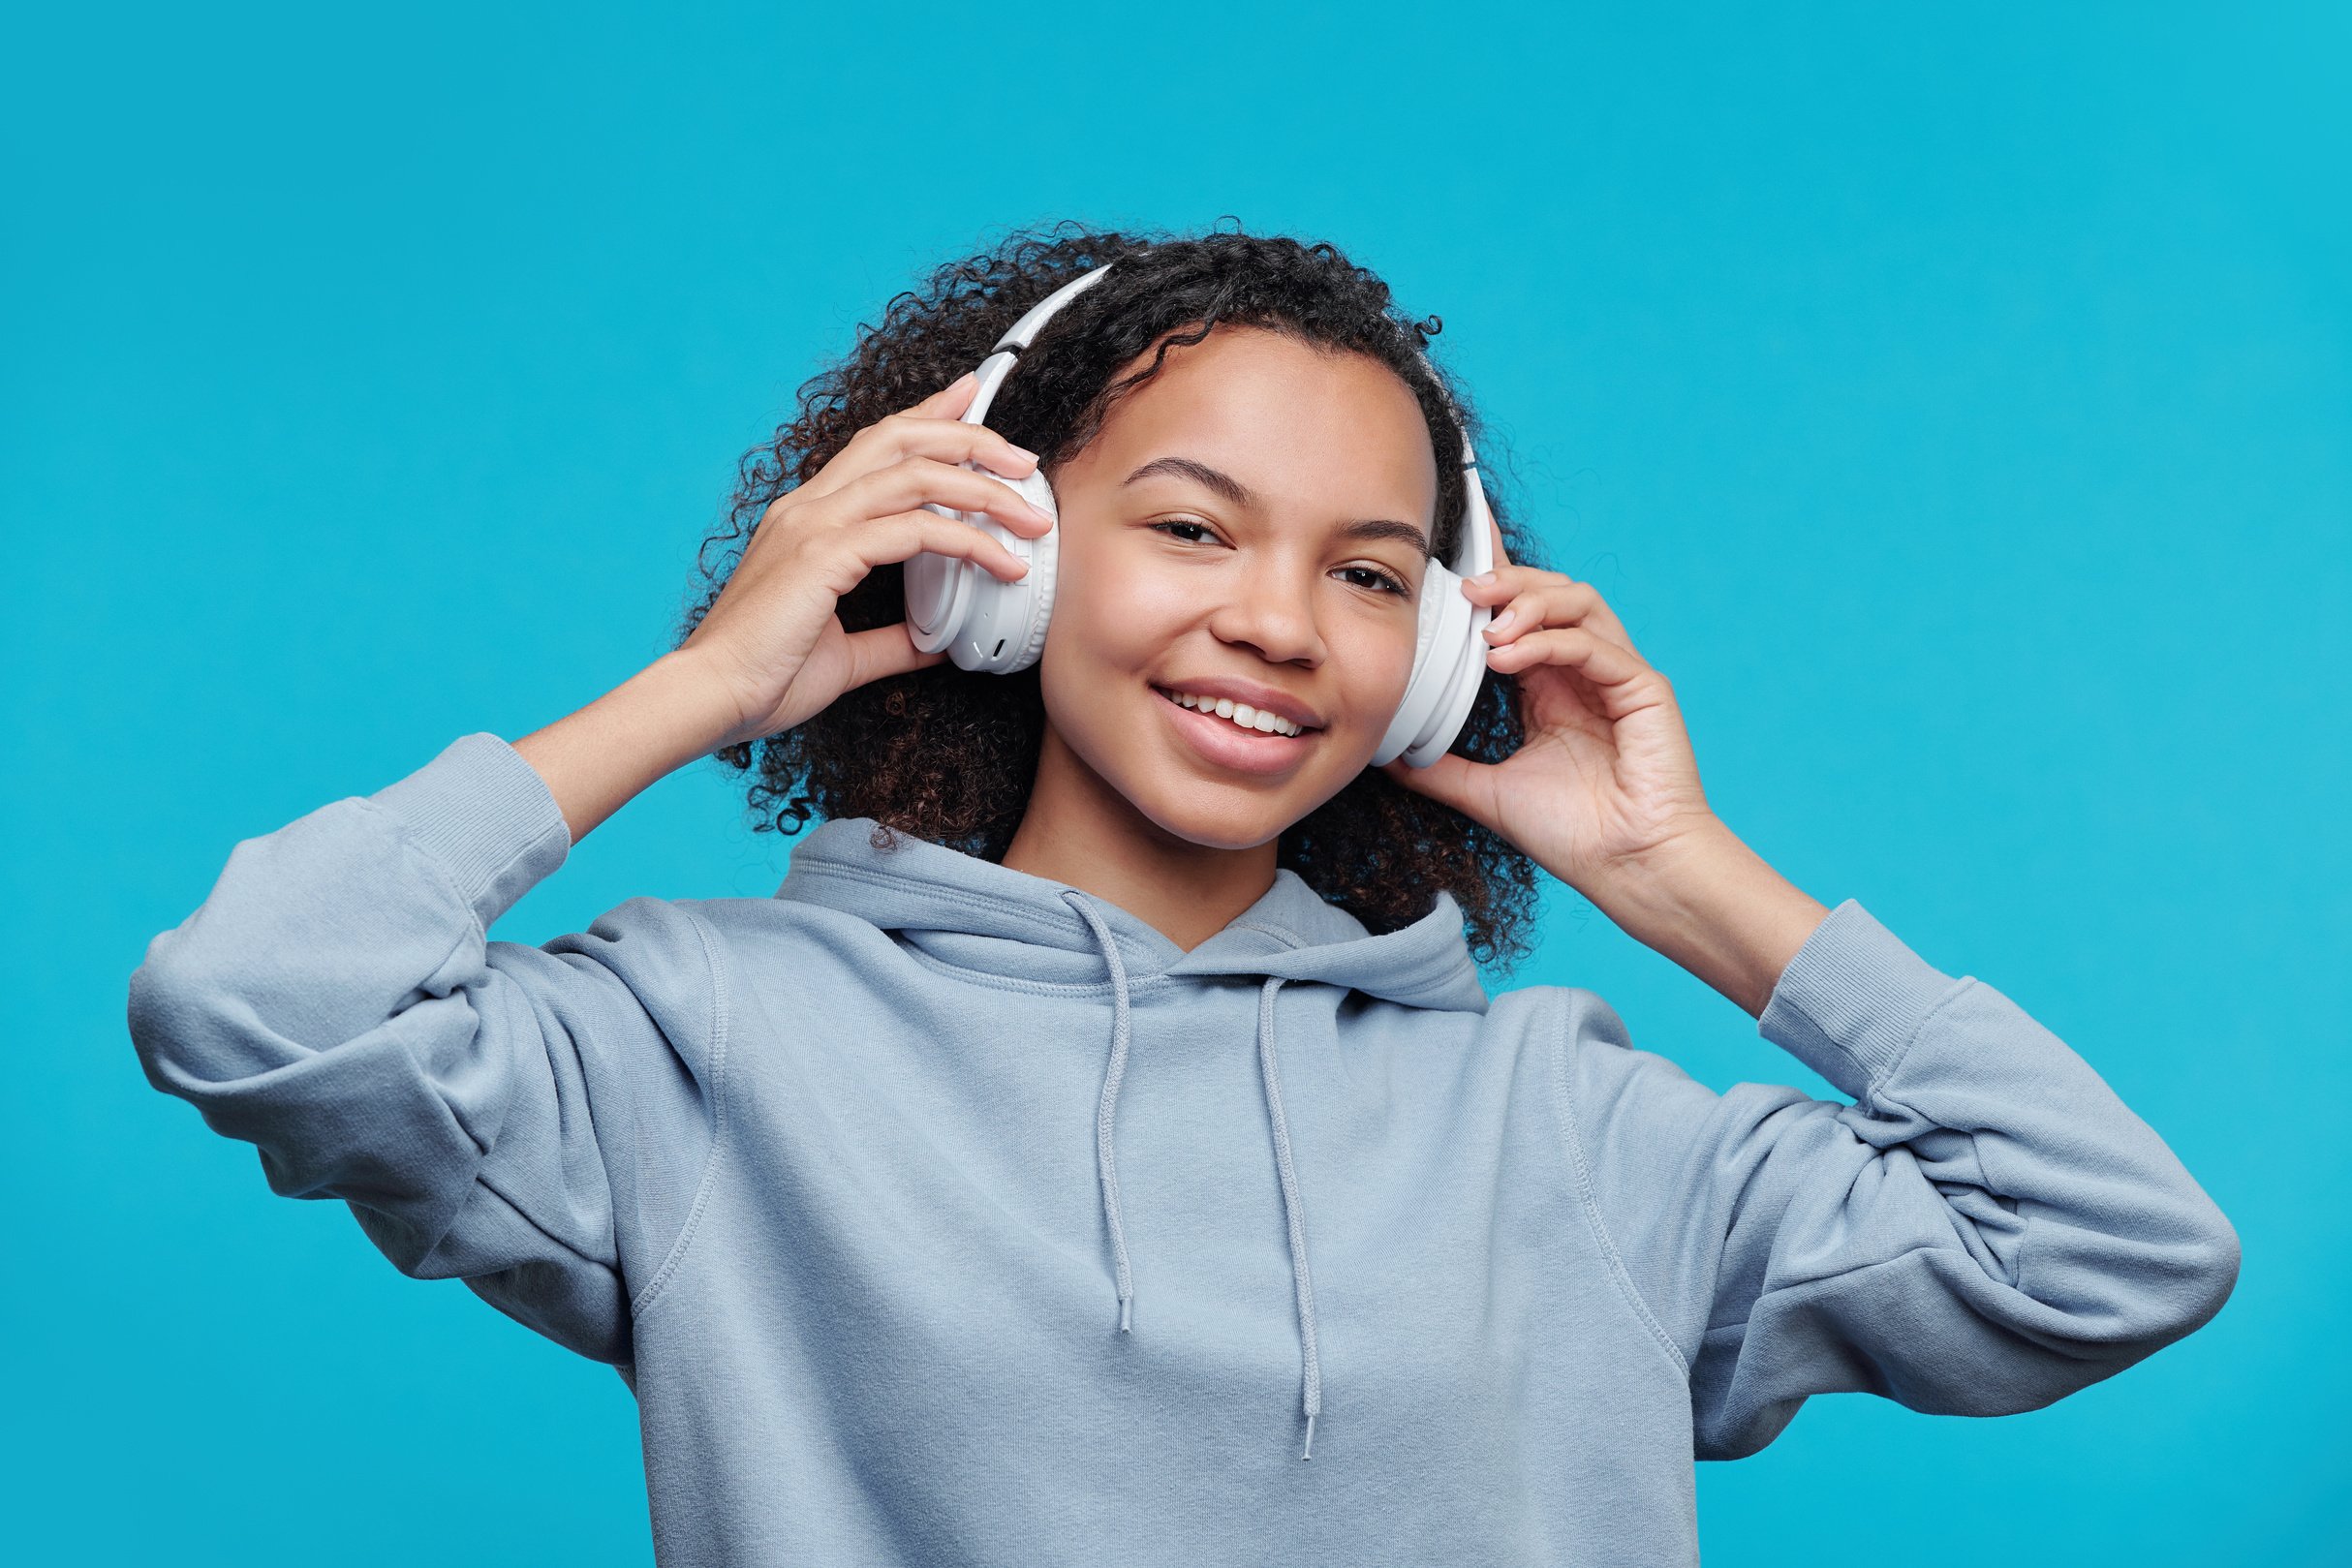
x=772 y=639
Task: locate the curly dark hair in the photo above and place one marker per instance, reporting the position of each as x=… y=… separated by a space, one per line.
x=949 y=756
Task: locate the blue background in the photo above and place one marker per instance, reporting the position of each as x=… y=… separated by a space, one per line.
x=1953 y=400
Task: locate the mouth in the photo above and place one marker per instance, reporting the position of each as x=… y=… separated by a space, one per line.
x=1223 y=739
x=1240 y=715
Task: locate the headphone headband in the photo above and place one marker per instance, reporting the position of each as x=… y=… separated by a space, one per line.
x=1473 y=550
x=991 y=625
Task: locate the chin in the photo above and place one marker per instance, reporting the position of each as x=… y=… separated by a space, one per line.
x=1219 y=819
x=1218 y=815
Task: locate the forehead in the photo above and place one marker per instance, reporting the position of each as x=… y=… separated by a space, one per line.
x=1298 y=424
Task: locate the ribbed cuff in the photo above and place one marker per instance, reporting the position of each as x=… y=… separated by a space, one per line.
x=1852 y=998
x=487 y=817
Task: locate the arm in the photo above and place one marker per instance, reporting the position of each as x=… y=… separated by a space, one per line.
x=599 y=758
x=532 y=1119
x=1986 y=1229
x=537 y=1120
x=1714 y=906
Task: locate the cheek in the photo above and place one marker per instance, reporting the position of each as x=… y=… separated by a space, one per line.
x=1374 y=663
x=1116 y=621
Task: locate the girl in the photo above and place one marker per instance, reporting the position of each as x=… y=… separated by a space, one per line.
x=1106 y=1114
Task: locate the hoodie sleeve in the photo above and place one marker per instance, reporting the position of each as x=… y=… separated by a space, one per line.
x=1985 y=1230
x=533 y=1121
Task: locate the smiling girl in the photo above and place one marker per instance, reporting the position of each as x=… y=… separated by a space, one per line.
x=1106 y=1113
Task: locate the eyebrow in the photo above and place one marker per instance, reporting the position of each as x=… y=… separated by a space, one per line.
x=1238 y=494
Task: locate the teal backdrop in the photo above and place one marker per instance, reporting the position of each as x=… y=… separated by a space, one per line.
x=1955 y=400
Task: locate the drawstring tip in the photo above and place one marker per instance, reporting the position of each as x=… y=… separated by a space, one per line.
x=1310 y=1450
x=1127 y=1306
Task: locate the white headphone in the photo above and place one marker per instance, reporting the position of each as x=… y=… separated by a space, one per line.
x=988 y=623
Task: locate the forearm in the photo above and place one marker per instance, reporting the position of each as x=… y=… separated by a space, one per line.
x=598 y=759
x=1715 y=907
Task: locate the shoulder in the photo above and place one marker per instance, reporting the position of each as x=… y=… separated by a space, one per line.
x=1589 y=1053
x=1567 y=1016
x=747 y=922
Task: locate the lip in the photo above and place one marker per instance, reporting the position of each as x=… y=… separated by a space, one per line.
x=1227 y=744
x=1264 y=699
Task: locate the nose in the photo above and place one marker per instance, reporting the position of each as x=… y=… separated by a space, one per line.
x=1268 y=609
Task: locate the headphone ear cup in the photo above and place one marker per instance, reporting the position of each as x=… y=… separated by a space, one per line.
x=937 y=594
x=1030 y=602
x=1412 y=717
x=986 y=624
x=1448 y=665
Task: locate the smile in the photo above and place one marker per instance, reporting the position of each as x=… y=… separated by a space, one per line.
x=1227 y=747
x=1241 y=715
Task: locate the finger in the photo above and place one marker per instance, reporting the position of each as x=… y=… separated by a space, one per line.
x=886 y=649
x=1526 y=598
x=897 y=437
x=1500 y=584
x=1557 y=601
x=922 y=481
x=951 y=440
x=940 y=419
x=1615 y=670
x=905 y=533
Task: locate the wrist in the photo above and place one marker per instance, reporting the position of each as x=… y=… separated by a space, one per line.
x=689 y=709
x=596 y=760
x=1690 y=855
x=1714 y=906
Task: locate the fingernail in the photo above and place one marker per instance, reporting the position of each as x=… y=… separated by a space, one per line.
x=1023 y=452
x=1500 y=622
x=1484 y=579
x=967 y=375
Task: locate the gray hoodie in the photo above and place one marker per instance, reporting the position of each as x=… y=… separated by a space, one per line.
x=940 y=1213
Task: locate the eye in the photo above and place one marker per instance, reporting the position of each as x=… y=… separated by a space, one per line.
x=1383 y=581
x=1187 y=522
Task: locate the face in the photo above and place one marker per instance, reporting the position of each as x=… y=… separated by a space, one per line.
x=1251 y=523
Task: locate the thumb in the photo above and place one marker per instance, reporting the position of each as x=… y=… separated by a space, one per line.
x=886 y=649
x=1453 y=780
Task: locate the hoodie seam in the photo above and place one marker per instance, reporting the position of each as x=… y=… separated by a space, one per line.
x=1874 y=1080
x=720 y=1029
x=1282 y=933
x=442 y=872
x=1564 y=1113
x=446 y=871
x=1292 y=940
x=1140 y=971
x=1455 y=963
x=1036 y=988
x=979 y=900
x=1022 y=912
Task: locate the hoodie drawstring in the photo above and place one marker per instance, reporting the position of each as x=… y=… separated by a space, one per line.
x=1110 y=1103
x=1293 y=1209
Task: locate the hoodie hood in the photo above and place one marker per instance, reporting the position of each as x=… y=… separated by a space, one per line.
x=980 y=915
x=993 y=919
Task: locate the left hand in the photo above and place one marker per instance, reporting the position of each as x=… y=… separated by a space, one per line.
x=1605 y=777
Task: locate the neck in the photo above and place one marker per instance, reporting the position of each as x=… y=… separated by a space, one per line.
x=1080 y=831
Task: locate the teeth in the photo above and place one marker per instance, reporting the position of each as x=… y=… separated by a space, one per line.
x=1241 y=713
